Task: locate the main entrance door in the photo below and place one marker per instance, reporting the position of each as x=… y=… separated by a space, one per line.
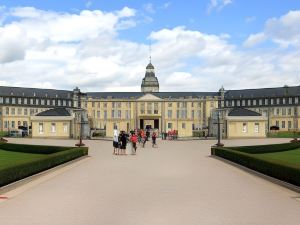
x=153 y=123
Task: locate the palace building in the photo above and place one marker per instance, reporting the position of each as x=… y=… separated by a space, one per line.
x=68 y=114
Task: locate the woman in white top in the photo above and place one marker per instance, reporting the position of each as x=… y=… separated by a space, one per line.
x=116 y=142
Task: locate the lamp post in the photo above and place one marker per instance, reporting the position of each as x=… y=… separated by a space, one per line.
x=80 y=143
x=219 y=144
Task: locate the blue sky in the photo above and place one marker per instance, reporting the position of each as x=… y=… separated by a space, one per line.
x=204 y=42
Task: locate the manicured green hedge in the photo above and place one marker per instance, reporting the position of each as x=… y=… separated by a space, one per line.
x=22 y=170
x=256 y=149
x=36 y=149
x=282 y=171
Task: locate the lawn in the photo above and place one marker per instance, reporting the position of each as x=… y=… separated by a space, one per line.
x=283 y=134
x=9 y=158
x=281 y=161
x=291 y=157
x=19 y=161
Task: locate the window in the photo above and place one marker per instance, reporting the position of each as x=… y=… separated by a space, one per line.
x=277 y=101
x=31 y=112
x=149 y=108
x=243 y=102
x=290 y=101
x=113 y=113
x=127 y=114
x=238 y=103
x=142 y=108
x=277 y=111
x=37 y=101
x=119 y=114
x=94 y=114
x=212 y=104
x=284 y=111
x=119 y=104
x=13 y=111
x=260 y=101
x=249 y=102
x=256 y=127
x=13 y=101
x=6 y=124
x=25 y=112
x=53 y=102
x=13 y=124
x=1 y=100
x=48 y=102
x=98 y=105
x=226 y=103
x=277 y=123
x=244 y=128
x=42 y=102
x=98 y=114
x=65 y=125
x=296 y=100
x=19 y=111
x=105 y=114
x=169 y=113
x=232 y=103
x=283 y=101
x=282 y=124
x=289 y=111
x=93 y=104
x=183 y=125
x=70 y=103
x=155 y=108
x=266 y=102
x=25 y=100
x=169 y=125
x=272 y=101
x=7 y=111
x=31 y=101
x=105 y=104
x=289 y=124
x=53 y=127
x=193 y=114
x=19 y=101
x=254 y=102
x=41 y=128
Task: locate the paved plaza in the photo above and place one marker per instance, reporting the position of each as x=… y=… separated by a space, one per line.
x=177 y=183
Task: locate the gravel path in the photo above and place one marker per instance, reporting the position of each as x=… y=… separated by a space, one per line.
x=177 y=183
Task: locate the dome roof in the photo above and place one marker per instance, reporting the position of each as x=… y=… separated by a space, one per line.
x=150 y=66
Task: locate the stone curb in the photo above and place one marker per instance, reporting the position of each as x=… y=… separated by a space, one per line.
x=261 y=175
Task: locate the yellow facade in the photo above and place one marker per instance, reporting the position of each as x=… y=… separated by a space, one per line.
x=51 y=127
x=182 y=114
x=246 y=127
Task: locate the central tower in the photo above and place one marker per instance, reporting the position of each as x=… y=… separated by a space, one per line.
x=150 y=82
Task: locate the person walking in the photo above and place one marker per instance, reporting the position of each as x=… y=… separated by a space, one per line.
x=144 y=137
x=134 y=139
x=154 y=139
x=116 y=142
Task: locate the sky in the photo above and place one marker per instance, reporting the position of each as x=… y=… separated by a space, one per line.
x=196 y=45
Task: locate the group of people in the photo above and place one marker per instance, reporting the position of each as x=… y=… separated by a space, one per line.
x=140 y=136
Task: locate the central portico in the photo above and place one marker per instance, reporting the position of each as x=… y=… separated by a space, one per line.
x=150 y=112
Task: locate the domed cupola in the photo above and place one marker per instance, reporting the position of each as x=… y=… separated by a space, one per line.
x=150 y=82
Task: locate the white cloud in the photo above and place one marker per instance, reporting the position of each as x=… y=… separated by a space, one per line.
x=149 y=7
x=284 y=30
x=58 y=50
x=255 y=39
x=250 y=19
x=217 y=5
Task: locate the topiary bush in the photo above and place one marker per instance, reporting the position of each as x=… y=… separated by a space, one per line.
x=36 y=149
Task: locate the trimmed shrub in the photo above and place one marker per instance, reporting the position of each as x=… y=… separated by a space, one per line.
x=36 y=149
x=256 y=149
x=22 y=170
x=285 y=172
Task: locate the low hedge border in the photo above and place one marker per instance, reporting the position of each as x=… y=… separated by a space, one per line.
x=20 y=171
x=287 y=173
x=256 y=149
x=35 y=149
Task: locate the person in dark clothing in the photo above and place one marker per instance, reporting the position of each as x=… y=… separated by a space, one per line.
x=154 y=139
x=123 y=143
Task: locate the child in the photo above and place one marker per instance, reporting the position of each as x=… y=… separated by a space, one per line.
x=154 y=139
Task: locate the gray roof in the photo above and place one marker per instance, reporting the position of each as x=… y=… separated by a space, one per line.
x=34 y=92
x=242 y=112
x=150 y=66
x=263 y=93
x=55 y=112
x=128 y=95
